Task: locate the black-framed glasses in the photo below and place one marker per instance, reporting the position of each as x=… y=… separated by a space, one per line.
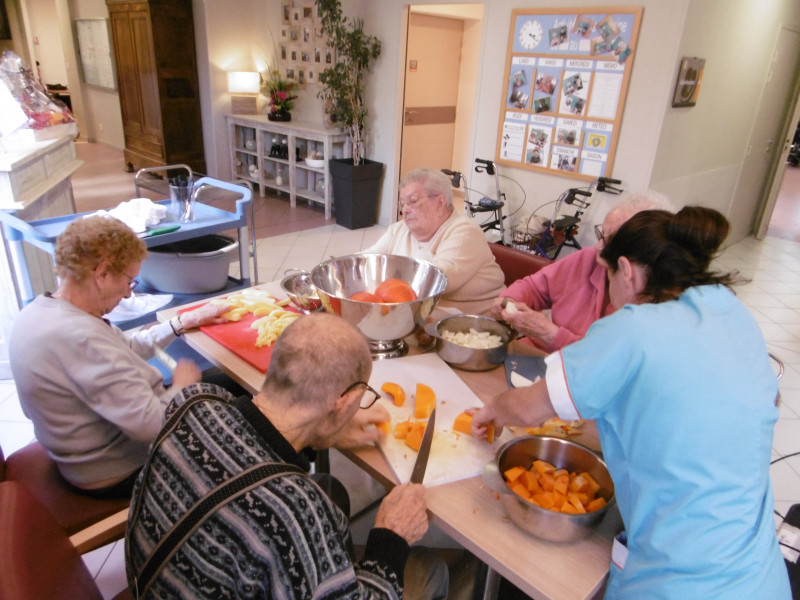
x=370 y=394
x=598 y=231
x=413 y=200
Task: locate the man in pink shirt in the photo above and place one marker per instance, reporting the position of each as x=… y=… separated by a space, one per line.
x=574 y=288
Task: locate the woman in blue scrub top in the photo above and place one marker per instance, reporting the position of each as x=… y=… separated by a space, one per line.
x=680 y=385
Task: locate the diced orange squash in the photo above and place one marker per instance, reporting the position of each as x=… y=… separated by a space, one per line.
x=414 y=437
x=581 y=497
x=530 y=481
x=395 y=391
x=543 y=467
x=579 y=483
x=596 y=504
x=401 y=430
x=385 y=427
x=545 y=499
x=576 y=502
x=560 y=473
x=561 y=484
x=513 y=473
x=463 y=424
x=567 y=507
x=593 y=485
x=426 y=402
x=547 y=481
x=520 y=491
x=559 y=500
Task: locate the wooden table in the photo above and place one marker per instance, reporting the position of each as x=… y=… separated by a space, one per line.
x=468 y=510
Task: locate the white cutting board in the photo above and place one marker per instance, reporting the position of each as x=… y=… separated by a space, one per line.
x=453 y=456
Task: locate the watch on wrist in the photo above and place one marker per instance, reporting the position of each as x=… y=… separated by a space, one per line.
x=177 y=327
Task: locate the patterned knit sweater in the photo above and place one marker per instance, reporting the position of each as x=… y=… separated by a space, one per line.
x=283 y=539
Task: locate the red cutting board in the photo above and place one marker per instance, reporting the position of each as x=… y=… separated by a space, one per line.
x=240 y=338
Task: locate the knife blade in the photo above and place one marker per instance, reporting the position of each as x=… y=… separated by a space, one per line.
x=418 y=472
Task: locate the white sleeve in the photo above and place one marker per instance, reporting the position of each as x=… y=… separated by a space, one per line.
x=558 y=389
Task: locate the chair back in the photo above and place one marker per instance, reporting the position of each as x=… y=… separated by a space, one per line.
x=38 y=559
x=516 y=263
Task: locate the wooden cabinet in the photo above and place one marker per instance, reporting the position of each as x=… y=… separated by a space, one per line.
x=273 y=154
x=157 y=74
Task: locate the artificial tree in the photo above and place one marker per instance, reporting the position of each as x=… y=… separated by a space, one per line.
x=344 y=82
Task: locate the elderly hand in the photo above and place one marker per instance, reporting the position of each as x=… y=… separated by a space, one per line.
x=362 y=430
x=531 y=323
x=404 y=511
x=208 y=314
x=186 y=373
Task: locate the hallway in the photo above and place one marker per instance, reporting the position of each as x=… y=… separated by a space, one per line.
x=785 y=221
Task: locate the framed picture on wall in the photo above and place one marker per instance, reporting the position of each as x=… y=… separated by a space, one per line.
x=687 y=88
x=5 y=27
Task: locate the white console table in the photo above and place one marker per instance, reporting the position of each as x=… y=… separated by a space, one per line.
x=254 y=157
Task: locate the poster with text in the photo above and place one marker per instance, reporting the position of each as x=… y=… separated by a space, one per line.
x=567 y=74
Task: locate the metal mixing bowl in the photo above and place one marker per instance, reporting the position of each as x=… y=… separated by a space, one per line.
x=383 y=324
x=472 y=359
x=563 y=454
x=300 y=290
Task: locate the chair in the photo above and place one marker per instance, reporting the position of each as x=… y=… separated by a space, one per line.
x=516 y=263
x=38 y=559
x=32 y=467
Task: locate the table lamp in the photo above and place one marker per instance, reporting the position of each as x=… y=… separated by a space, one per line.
x=244 y=87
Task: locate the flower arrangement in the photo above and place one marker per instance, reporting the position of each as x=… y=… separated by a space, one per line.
x=279 y=91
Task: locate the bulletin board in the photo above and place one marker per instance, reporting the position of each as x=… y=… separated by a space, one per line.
x=566 y=78
x=96 y=53
x=303 y=50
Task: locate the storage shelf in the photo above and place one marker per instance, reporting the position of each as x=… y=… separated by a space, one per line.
x=300 y=140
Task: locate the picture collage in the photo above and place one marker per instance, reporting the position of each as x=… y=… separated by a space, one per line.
x=567 y=74
x=303 y=52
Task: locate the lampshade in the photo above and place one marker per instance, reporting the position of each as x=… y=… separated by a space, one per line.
x=244 y=82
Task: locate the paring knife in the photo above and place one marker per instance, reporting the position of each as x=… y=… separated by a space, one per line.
x=159 y=231
x=418 y=472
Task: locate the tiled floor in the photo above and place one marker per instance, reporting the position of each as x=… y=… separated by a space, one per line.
x=773 y=297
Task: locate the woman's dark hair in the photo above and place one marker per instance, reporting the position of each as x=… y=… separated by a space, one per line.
x=676 y=249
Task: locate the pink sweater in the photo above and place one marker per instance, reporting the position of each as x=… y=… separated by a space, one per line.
x=574 y=288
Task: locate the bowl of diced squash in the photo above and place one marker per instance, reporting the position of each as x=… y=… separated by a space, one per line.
x=553 y=488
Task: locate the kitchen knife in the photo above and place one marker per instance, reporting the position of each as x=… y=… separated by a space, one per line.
x=159 y=231
x=418 y=472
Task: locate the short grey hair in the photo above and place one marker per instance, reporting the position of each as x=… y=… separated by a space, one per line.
x=631 y=203
x=435 y=183
x=315 y=360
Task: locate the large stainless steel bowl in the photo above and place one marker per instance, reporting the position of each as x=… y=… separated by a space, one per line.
x=563 y=454
x=472 y=359
x=383 y=324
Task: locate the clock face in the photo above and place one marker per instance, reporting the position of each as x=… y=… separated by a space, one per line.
x=530 y=34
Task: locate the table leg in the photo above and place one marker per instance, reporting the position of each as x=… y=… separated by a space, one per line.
x=487 y=583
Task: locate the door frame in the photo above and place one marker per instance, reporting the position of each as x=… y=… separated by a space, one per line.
x=779 y=166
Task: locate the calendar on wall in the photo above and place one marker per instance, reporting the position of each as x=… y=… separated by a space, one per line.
x=567 y=75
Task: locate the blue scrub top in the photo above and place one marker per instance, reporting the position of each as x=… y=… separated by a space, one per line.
x=683 y=394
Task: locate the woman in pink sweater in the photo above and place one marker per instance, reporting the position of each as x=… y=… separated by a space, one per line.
x=574 y=288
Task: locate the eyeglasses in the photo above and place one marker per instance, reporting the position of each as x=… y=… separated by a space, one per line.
x=413 y=200
x=370 y=395
x=598 y=231
x=132 y=285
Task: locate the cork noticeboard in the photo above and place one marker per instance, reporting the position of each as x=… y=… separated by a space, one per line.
x=567 y=74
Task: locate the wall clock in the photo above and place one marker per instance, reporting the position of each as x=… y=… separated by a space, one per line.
x=530 y=34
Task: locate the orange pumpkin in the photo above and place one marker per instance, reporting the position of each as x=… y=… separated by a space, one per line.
x=463 y=424
x=365 y=297
x=426 y=401
x=395 y=391
x=395 y=290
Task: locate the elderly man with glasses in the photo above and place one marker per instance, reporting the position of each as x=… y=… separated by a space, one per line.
x=431 y=230
x=282 y=537
x=574 y=288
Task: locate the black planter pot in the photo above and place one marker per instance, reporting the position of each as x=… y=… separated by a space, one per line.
x=356 y=191
x=279 y=116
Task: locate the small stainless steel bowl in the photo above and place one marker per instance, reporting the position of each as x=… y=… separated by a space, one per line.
x=300 y=290
x=563 y=454
x=472 y=359
x=383 y=324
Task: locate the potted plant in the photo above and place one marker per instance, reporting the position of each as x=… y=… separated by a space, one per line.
x=356 y=181
x=281 y=99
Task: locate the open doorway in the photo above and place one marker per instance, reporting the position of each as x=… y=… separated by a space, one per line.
x=440 y=79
